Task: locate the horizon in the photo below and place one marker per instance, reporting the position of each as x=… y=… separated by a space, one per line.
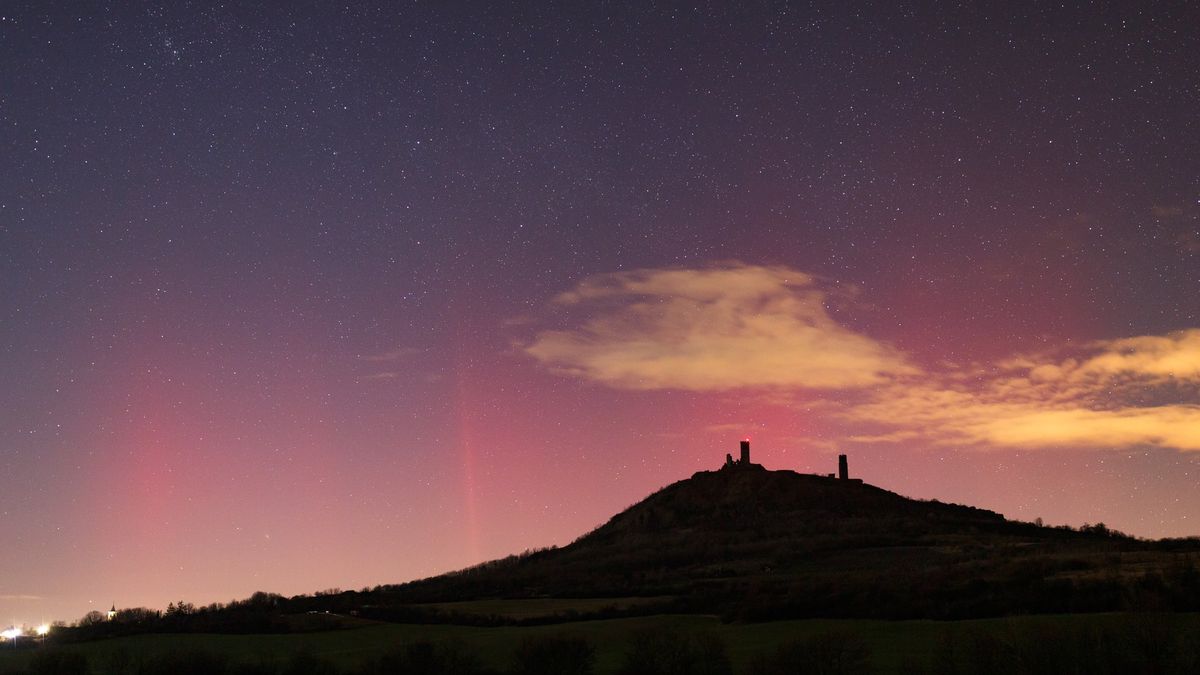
x=299 y=296
x=44 y=626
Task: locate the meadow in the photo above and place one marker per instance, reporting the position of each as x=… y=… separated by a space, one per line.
x=887 y=646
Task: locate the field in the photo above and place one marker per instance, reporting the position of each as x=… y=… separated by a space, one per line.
x=893 y=646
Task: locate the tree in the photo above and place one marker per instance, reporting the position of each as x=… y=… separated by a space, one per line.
x=135 y=615
x=92 y=618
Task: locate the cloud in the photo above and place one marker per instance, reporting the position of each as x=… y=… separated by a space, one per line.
x=712 y=329
x=1189 y=241
x=21 y=597
x=771 y=330
x=386 y=375
x=948 y=417
x=391 y=356
x=1172 y=356
x=731 y=427
x=1170 y=426
x=1165 y=212
x=889 y=437
x=1098 y=397
x=1180 y=224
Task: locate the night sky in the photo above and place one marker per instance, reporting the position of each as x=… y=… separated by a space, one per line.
x=303 y=295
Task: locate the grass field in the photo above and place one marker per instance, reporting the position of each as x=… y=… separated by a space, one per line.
x=893 y=645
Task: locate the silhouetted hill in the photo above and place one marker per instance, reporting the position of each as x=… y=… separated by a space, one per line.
x=766 y=505
x=752 y=543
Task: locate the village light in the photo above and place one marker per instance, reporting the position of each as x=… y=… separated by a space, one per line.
x=43 y=629
x=11 y=634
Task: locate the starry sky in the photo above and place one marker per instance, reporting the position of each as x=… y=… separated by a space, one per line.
x=308 y=295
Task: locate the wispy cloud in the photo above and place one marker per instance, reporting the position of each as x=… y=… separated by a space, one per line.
x=392 y=360
x=1189 y=241
x=1162 y=211
x=393 y=355
x=386 y=375
x=712 y=329
x=1181 y=224
x=21 y=596
x=739 y=327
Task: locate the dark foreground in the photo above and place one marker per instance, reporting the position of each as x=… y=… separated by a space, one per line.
x=1104 y=643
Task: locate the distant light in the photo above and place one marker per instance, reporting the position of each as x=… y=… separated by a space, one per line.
x=11 y=634
x=43 y=629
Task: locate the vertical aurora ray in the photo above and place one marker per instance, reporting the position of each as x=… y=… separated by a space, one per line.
x=466 y=415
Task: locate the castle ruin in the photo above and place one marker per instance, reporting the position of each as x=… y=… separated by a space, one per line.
x=743 y=462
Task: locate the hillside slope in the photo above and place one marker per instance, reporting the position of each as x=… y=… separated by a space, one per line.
x=752 y=543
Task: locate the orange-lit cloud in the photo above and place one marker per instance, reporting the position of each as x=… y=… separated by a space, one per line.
x=739 y=327
x=949 y=417
x=1097 y=398
x=713 y=329
x=1173 y=356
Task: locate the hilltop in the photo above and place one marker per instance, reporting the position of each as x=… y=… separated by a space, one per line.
x=752 y=543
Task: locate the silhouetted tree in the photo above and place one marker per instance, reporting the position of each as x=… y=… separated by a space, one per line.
x=136 y=615
x=180 y=608
x=92 y=618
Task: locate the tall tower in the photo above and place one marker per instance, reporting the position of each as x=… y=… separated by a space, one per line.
x=843 y=468
x=745 y=452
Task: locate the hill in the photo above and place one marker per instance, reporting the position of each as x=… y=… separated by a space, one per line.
x=756 y=544
x=746 y=543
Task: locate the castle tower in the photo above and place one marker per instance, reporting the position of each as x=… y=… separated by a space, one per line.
x=843 y=468
x=745 y=452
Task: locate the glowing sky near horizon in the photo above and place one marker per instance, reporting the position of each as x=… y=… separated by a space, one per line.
x=297 y=296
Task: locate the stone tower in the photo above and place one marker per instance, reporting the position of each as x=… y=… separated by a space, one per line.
x=745 y=459
x=843 y=468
